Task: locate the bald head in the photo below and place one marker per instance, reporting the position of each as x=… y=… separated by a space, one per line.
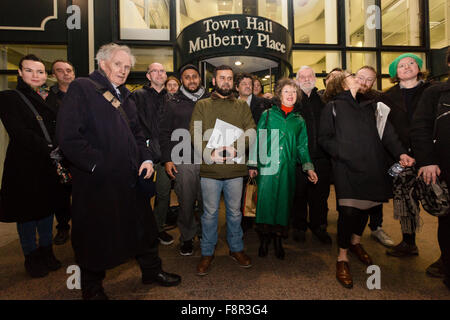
x=157 y=76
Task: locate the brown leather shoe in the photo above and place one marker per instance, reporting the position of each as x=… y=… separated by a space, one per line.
x=203 y=265
x=362 y=255
x=241 y=258
x=343 y=274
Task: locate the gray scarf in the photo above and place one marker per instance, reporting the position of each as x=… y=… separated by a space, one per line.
x=193 y=96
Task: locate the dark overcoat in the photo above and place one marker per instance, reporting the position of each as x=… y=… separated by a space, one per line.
x=111 y=219
x=399 y=111
x=349 y=134
x=30 y=185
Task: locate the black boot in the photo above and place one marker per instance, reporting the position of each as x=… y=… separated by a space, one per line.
x=35 y=265
x=265 y=239
x=279 y=251
x=49 y=258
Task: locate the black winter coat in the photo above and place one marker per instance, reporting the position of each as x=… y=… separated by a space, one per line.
x=358 y=154
x=398 y=116
x=435 y=101
x=258 y=105
x=111 y=219
x=30 y=185
x=150 y=108
x=310 y=109
x=177 y=115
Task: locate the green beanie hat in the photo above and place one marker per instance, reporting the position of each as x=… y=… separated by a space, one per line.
x=394 y=64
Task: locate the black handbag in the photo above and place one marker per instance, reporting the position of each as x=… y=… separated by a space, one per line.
x=56 y=155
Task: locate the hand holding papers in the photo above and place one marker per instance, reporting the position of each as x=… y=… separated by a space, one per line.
x=222 y=138
x=381 y=116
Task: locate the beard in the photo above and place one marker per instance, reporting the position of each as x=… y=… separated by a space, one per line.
x=193 y=90
x=223 y=92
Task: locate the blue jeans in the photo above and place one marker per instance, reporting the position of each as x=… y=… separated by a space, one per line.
x=27 y=234
x=211 y=191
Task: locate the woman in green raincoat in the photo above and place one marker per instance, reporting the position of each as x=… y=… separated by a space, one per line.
x=282 y=143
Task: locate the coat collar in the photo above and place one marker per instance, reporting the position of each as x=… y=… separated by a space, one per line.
x=30 y=93
x=106 y=85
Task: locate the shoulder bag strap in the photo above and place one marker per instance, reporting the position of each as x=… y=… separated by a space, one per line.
x=111 y=99
x=38 y=117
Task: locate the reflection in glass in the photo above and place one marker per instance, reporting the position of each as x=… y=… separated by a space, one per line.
x=320 y=61
x=190 y=11
x=401 y=21
x=439 y=27
x=144 y=19
x=315 y=21
x=146 y=56
x=356 y=60
x=360 y=31
x=11 y=54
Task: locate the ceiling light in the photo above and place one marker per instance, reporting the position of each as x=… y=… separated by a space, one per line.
x=267 y=77
x=238 y=63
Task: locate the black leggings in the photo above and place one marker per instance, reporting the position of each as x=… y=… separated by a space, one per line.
x=351 y=221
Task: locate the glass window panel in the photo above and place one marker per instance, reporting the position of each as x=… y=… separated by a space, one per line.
x=190 y=11
x=401 y=22
x=11 y=54
x=356 y=60
x=146 y=56
x=388 y=57
x=320 y=61
x=358 y=32
x=144 y=19
x=386 y=84
x=315 y=21
x=439 y=27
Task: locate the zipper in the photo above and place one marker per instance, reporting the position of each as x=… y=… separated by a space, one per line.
x=443 y=115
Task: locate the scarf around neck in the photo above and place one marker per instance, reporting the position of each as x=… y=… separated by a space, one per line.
x=193 y=96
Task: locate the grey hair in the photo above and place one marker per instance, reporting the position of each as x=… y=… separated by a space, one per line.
x=304 y=68
x=106 y=51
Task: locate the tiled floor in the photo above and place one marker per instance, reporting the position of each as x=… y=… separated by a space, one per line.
x=308 y=272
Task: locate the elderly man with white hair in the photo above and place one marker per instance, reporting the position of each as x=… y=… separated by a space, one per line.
x=310 y=197
x=99 y=133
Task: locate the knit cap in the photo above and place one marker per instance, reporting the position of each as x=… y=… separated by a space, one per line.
x=393 y=66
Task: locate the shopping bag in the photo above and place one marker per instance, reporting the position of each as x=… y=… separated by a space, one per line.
x=250 y=198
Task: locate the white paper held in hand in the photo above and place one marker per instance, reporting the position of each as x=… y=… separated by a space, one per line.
x=381 y=115
x=224 y=134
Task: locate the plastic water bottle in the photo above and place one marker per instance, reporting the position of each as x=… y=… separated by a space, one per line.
x=396 y=169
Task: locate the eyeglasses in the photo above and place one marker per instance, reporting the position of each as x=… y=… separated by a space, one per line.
x=349 y=75
x=404 y=65
x=362 y=79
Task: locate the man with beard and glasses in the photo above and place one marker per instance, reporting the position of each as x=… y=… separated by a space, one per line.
x=223 y=166
x=310 y=197
x=150 y=102
x=366 y=77
x=180 y=166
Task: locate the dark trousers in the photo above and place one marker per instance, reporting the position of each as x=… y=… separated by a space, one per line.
x=149 y=263
x=313 y=197
x=62 y=214
x=350 y=221
x=376 y=217
x=148 y=259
